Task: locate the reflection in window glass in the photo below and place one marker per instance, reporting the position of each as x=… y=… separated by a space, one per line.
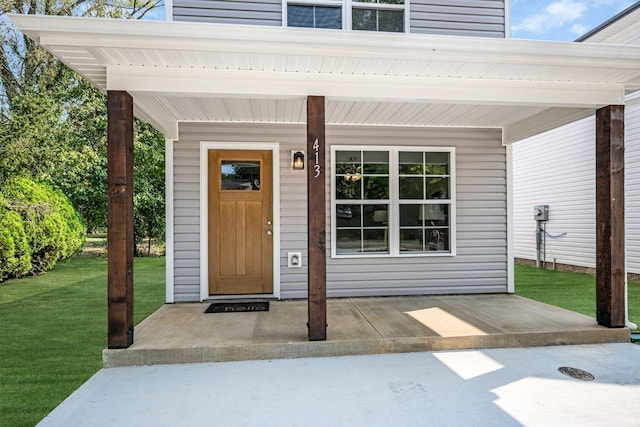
x=314 y=16
x=240 y=175
x=378 y=20
x=371 y=216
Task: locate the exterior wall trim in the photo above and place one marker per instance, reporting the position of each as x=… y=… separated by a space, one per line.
x=205 y=146
x=510 y=229
x=169 y=237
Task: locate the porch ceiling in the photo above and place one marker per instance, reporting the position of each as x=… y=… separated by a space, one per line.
x=195 y=72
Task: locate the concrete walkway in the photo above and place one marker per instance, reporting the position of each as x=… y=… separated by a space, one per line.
x=184 y=333
x=492 y=387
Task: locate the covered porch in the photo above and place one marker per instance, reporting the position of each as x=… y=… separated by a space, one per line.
x=173 y=75
x=184 y=333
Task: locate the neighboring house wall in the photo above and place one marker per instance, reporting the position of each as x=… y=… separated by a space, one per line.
x=557 y=168
x=632 y=186
x=481 y=261
x=456 y=17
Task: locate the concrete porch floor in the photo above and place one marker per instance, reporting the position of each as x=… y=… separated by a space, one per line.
x=184 y=333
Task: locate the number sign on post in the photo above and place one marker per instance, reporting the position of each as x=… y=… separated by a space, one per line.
x=316 y=195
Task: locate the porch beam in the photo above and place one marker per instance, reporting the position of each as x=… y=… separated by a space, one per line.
x=158 y=81
x=316 y=194
x=120 y=239
x=610 y=236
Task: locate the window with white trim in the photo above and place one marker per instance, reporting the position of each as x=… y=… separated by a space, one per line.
x=392 y=201
x=325 y=15
x=367 y=15
x=378 y=15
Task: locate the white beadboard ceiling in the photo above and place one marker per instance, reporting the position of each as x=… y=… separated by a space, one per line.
x=180 y=72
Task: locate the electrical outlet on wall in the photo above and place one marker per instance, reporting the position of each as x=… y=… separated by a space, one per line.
x=294 y=259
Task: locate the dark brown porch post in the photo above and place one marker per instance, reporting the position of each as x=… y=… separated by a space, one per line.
x=120 y=218
x=316 y=219
x=610 y=261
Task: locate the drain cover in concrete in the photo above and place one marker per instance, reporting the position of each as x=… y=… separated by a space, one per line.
x=576 y=373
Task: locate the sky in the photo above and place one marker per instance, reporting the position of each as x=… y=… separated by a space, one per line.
x=564 y=20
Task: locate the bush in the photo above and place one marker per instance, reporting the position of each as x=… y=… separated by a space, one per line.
x=15 y=256
x=51 y=227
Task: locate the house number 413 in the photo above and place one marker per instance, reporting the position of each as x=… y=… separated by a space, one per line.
x=316 y=164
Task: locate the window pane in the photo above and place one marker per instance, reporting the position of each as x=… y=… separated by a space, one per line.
x=375 y=240
x=391 y=20
x=410 y=163
x=380 y=1
x=437 y=188
x=376 y=187
x=412 y=240
x=348 y=216
x=376 y=162
x=314 y=16
x=410 y=215
x=434 y=215
x=376 y=215
x=438 y=239
x=300 y=16
x=364 y=19
x=437 y=163
x=328 y=17
x=348 y=241
x=411 y=187
x=240 y=175
x=348 y=157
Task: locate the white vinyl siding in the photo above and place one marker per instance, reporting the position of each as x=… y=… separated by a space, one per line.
x=632 y=186
x=480 y=265
x=557 y=168
x=482 y=18
x=254 y=12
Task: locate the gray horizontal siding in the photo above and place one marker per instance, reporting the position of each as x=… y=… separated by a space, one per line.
x=254 y=12
x=483 y=18
x=480 y=265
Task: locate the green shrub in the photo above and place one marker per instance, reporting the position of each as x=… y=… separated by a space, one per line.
x=15 y=256
x=51 y=226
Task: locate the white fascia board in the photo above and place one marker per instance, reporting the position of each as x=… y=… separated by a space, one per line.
x=542 y=122
x=227 y=83
x=74 y=31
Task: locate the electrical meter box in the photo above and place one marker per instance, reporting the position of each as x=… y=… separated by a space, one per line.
x=541 y=213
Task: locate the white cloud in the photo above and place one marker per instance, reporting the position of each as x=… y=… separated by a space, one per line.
x=579 y=29
x=556 y=14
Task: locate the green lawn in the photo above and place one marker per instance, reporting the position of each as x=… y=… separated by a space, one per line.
x=53 y=327
x=53 y=330
x=572 y=291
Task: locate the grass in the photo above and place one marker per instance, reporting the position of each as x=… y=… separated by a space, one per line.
x=53 y=330
x=53 y=327
x=573 y=291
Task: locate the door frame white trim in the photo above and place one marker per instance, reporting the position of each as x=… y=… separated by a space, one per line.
x=205 y=146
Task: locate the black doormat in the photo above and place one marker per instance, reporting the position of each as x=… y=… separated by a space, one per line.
x=238 y=307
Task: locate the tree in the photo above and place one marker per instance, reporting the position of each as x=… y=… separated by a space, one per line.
x=54 y=122
x=148 y=184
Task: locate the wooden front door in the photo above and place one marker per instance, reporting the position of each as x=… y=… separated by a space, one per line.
x=240 y=222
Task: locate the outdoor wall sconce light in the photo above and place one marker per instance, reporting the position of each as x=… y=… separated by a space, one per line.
x=297 y=160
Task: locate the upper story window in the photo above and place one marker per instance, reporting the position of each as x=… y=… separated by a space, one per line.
x=367 y=15
x=378 y=15
x=314 y=16
x=393 y=201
